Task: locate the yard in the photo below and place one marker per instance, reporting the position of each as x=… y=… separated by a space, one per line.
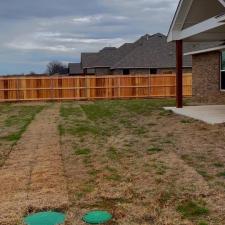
x=143 y=164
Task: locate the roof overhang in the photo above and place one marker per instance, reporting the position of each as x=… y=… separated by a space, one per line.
x=198 y=20
x=217 y=48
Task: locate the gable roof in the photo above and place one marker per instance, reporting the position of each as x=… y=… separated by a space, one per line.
x=194 y=19
x=75 y=69
x=155 y=52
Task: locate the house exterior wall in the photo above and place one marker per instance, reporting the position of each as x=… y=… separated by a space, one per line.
x=173 y=71
x=147 y=71
x=132 y=71
x=102 y=71
x=206 y=78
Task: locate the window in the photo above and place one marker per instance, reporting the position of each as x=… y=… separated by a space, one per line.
x=153 y=71
x=222 y=76
x=126 y=72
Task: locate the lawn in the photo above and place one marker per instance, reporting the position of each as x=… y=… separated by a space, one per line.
x=14 y=119
x=132 y=158
x=143 y=164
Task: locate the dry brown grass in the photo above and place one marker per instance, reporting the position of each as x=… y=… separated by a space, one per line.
x=139 y=162
x=143 y=164
x=32 y=178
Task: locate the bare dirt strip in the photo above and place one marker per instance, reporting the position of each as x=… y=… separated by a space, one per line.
x=33 y=178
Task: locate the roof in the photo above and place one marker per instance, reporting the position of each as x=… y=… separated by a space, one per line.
x=88 y=59
x=109 y=56
x=75 y=68
x=192 y=24
x=155 y=52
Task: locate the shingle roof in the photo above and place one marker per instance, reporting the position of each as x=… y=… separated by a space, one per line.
x=88 y=59
x=75 y=69
x=154 y=52
x=109 y=56
x=150 y=51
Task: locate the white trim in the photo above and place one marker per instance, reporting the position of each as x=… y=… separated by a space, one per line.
x=222 y=2
x=206 y=25
x=222 y=47
x=172 y=33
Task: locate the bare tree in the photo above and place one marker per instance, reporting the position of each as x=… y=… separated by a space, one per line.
x=56 y=67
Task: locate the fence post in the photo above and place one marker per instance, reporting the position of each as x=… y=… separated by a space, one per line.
x=149 y=85
x=119 y=94
x=87 y=84
x=17 y=89
x=51 y=87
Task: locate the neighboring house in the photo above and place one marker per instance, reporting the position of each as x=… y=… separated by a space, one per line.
x=75 y=69
x=201 y=21
x=151 y=54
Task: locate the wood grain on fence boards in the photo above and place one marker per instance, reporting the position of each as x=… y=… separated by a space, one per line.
x=91 y=87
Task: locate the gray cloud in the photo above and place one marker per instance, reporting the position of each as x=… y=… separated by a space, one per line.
x=35 y=32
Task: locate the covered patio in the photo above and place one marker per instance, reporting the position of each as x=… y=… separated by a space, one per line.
x=201 y=21
x=197 y=21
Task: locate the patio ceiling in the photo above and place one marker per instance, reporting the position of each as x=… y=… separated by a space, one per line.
x=198 y=20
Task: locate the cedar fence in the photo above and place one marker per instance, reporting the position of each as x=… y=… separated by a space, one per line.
x=46 y=88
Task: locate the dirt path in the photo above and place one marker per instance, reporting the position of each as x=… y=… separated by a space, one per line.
x=33 y=176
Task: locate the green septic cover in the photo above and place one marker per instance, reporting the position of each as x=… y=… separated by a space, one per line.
x=97 y=217
x=45 y=218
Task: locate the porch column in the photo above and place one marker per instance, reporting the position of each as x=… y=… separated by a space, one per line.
x=179 y=73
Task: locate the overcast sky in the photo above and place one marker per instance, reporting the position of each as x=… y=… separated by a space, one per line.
x=34 y=32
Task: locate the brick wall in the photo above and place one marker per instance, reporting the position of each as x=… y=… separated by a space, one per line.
x=206 y=78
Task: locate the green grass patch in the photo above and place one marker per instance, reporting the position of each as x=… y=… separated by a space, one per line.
x=166 y=112
x=20 y=121
x=192 y=209
x=186 y=121
x=202 y=223
x=140 y=131
x=68 y=110
x=100 y=110
x=110 y=109
x=204 y=174
x=82 y=151
x=113 y=154
x=222 y=174
x=154 y=149
x=85 y=128
x=219 y=165
x=61 y=129
x=85 y=189
x=160 y=168
x=114 y=175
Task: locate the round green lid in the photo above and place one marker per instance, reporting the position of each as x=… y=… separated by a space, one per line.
x=45 y=218
x=97 y=217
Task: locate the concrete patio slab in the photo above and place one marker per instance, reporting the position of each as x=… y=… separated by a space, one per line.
x=211 y=114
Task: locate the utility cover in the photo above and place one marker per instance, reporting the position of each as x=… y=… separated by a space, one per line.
x=97 y=217
x=45 y=218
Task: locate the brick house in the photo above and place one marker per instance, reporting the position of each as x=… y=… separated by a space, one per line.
x=150 y=54
x=201 y=21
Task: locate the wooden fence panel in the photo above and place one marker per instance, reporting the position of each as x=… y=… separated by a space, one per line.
x=91 y=87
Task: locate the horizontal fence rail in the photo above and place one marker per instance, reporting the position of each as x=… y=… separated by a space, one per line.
x=91 y=87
